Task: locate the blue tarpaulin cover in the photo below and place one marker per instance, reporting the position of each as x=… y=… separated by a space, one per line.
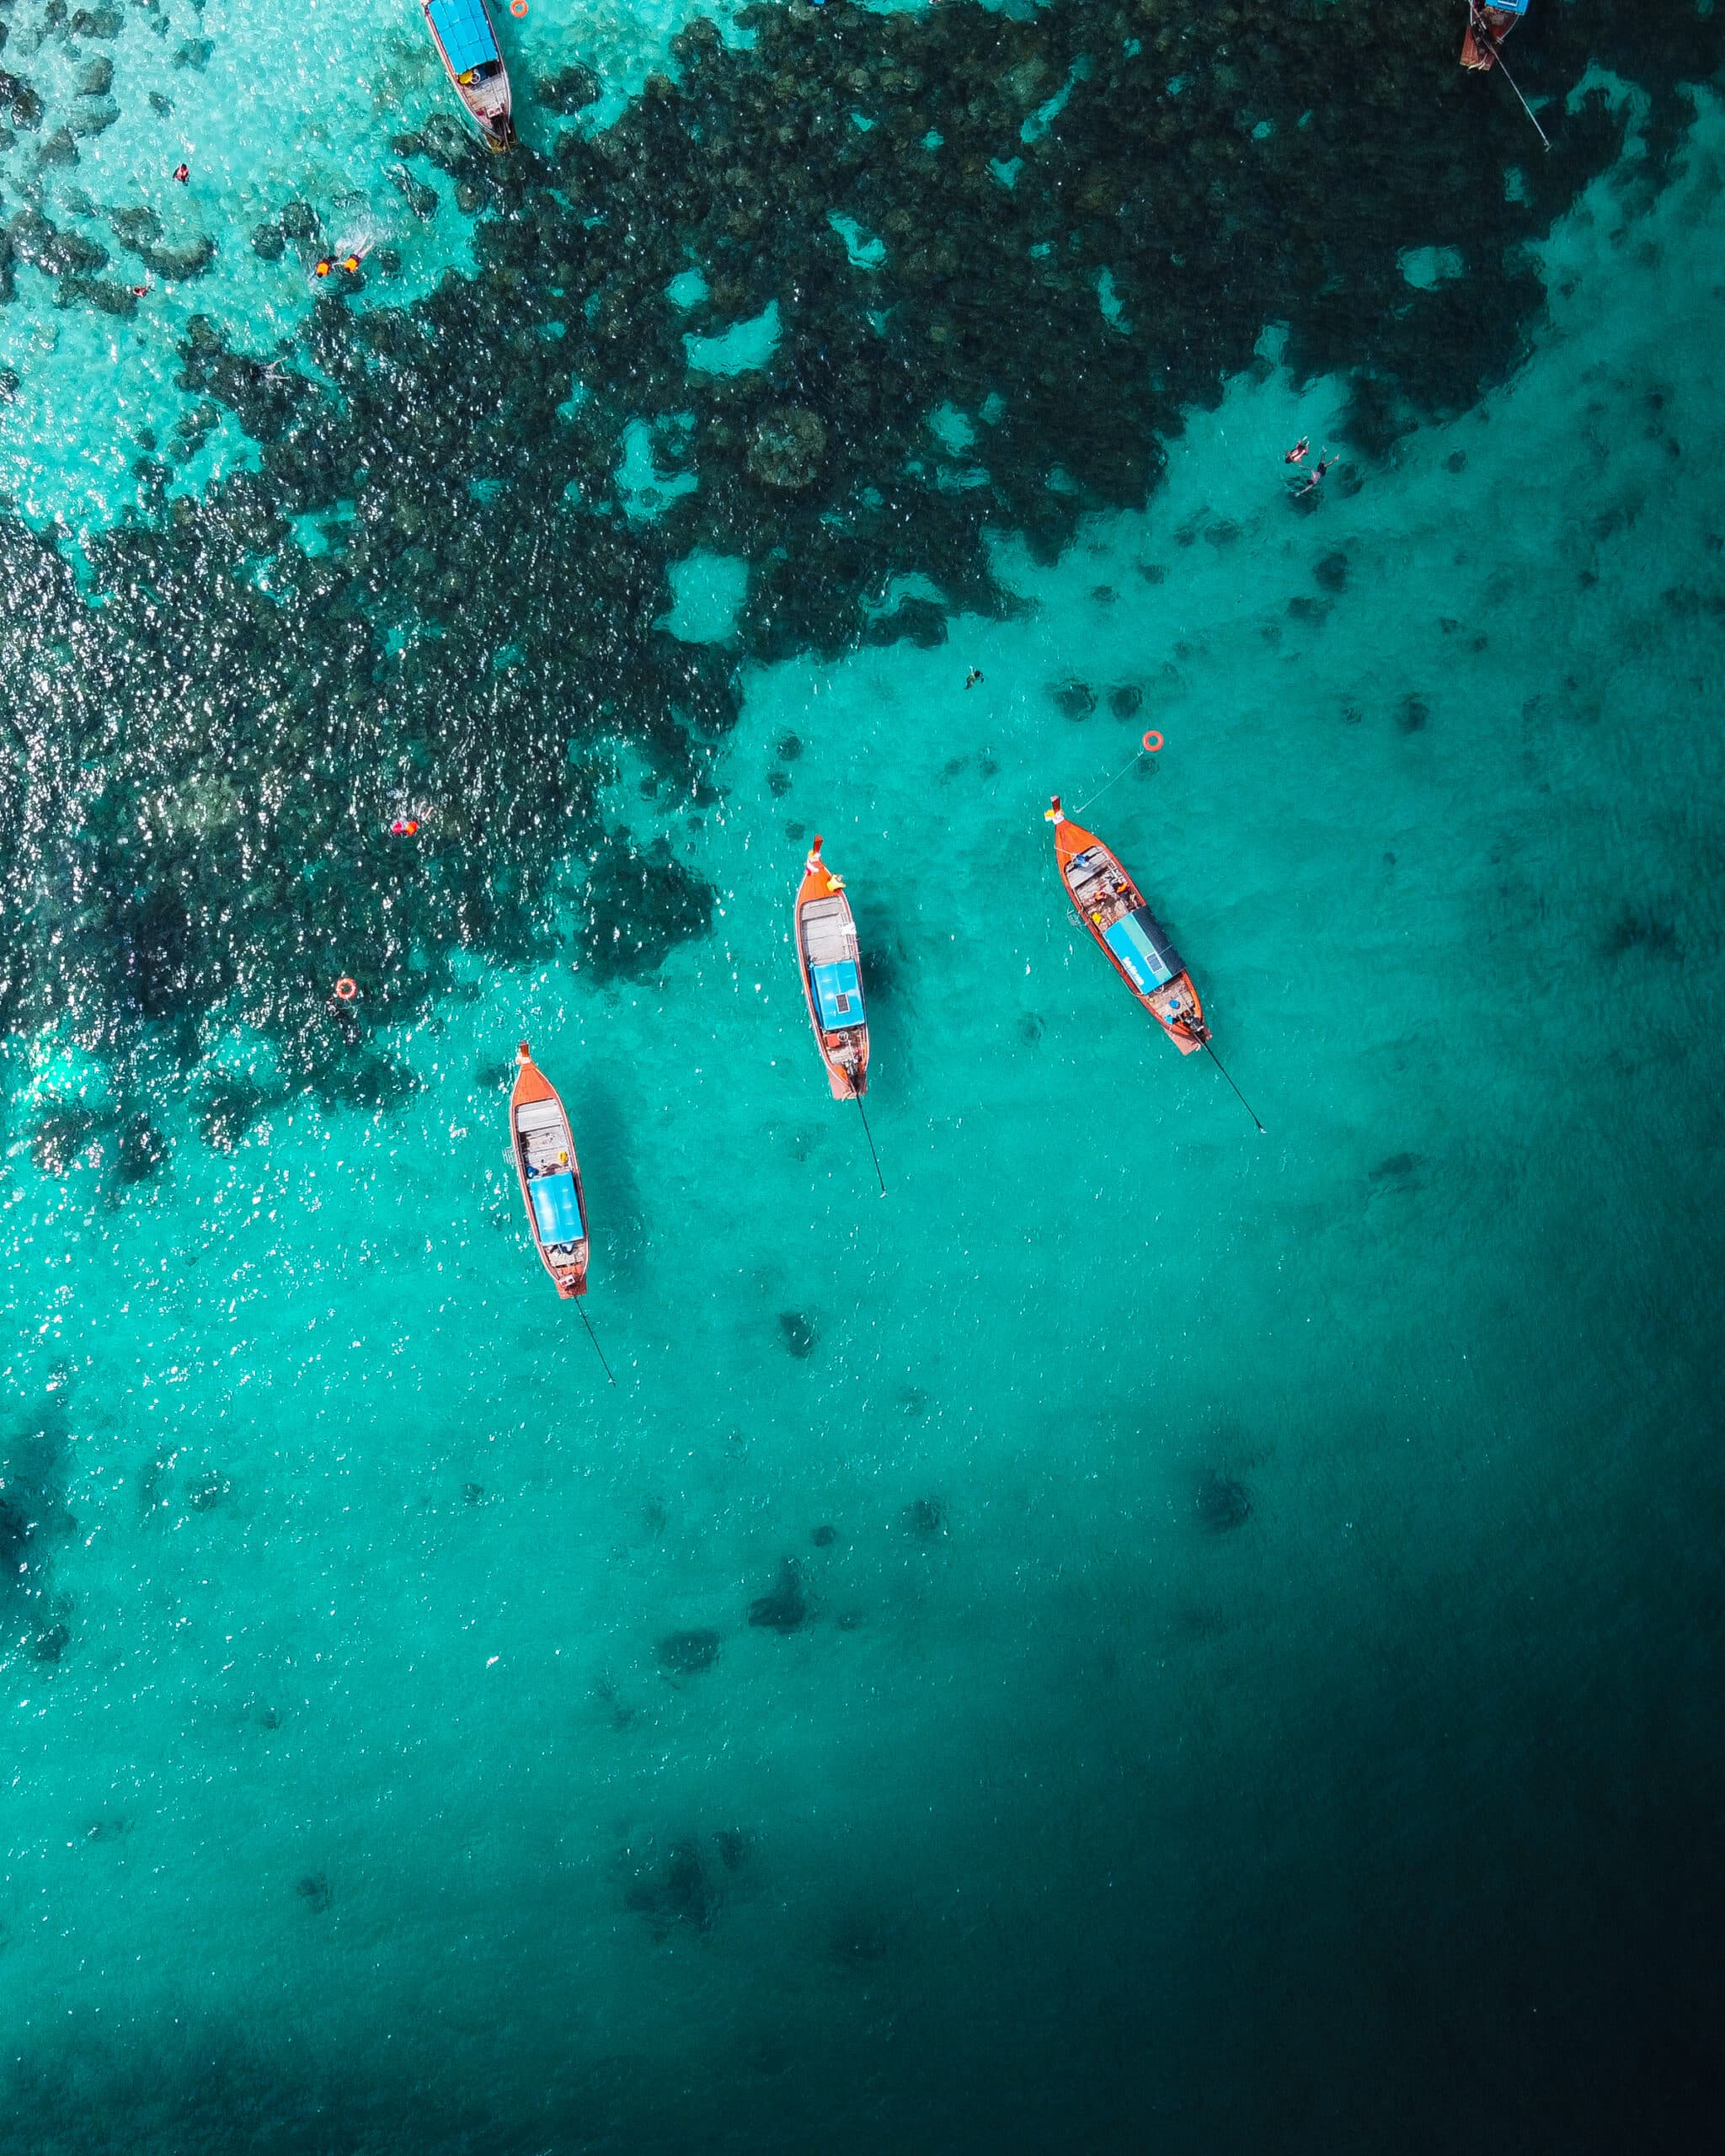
x=1147 y=966
x=463 y=32
x=556 y=1207
x=838 y=994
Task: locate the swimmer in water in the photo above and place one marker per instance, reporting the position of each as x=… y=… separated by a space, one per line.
x=182 y=173
x=323 y=268
x=973 y=677
x=1310 y=486
x=1297 y=454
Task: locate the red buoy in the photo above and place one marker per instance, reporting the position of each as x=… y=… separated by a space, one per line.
x=1152 y=741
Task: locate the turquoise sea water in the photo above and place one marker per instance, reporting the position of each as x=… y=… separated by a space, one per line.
x=1145 y=1636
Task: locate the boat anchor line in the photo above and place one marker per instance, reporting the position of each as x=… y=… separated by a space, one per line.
x=1238 y=1095
x=594 y=1337
x=869 y=1135
x=1481 y=30
x=1137 y=754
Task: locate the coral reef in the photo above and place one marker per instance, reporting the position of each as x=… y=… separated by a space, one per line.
x=432 y=590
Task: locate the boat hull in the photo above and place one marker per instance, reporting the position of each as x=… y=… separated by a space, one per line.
x=485 y=93
x=829 y=958
x=1109 y=904
x=544 y=1152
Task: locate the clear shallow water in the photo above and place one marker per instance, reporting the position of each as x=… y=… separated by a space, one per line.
x=1265 y=1652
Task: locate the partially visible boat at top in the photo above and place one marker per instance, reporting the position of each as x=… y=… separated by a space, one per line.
x=1112 y=908
x=1487 y=28
x=467 y=44
x=830 y=961
x=551 y=1175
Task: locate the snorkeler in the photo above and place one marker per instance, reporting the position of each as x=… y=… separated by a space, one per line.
x=1297 y=454
x=1314 y=477
x=348 y=255
x=973 y=677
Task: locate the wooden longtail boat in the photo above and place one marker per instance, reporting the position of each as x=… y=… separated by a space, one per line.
x=1487 y=29
x=830 y=961
x=1112 y=907
x=467 y=46
x=550 y=1174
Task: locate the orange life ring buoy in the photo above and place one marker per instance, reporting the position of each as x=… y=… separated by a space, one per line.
x=347 y=988
x=1152 y=741
x=518 y=7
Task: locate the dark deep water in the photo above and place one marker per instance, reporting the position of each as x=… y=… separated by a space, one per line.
x=1147 y=1638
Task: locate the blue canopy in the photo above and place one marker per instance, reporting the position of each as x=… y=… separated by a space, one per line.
x=1145 y=956
x=556 y=1207
x=838 y=994
x=464 y=31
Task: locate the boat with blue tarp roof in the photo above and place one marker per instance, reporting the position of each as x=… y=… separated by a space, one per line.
x=467 y=45
x=1112 y=908
x=830 y=960
x=544 y=1150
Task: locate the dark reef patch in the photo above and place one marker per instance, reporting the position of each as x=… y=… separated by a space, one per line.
x=1638 y=928
x=685 y=1654
x=34 y=1462
x=926 y=1518
x=313 y=1890
x=683 y=1890
x=798 y=1334
x=787 y=1607
x=222 y=725
x=1076 y=699
x=1221 y=1503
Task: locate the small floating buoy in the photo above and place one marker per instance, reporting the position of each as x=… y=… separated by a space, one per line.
x=1152 y=741
x=347 y=988
x=518 y=7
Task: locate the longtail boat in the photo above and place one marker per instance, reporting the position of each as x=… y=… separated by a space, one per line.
x=550 y=1174
x=1487 y=28
x=467 y=45
x=830 y=958
x=1112 y=907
